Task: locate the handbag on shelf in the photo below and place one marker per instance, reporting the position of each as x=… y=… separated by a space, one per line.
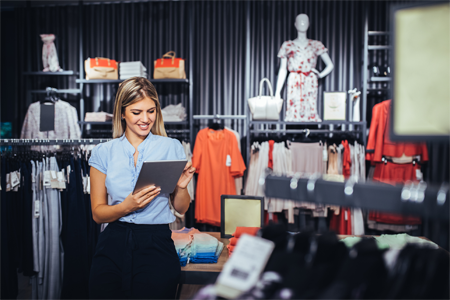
x=265 y=107
x=101 y=68
x=169 y=67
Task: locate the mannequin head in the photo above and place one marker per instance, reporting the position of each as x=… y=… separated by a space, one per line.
x=302 y=22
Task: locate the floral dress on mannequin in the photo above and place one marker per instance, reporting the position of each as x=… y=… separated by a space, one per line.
x=302 y=82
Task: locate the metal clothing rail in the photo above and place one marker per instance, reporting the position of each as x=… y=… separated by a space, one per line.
x=410 y=199
x=210 y=117
x=46 y=142
x=307 y=131
x=178 y=131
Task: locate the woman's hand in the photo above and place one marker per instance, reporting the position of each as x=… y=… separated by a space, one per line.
x=141 y=199
x=186 y=176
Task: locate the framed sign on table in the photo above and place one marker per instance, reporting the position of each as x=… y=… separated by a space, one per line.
x=334 y=106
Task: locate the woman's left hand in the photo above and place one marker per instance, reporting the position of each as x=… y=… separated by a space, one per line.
x=186 y=176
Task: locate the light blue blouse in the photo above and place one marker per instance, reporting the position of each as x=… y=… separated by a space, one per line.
x=115 y=159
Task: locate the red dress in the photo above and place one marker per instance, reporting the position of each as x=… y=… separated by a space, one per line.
x=379 y=145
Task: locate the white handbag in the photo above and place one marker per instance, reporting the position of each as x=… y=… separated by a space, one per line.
x=265 y=107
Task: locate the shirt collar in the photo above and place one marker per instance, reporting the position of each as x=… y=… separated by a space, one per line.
x=129 y=148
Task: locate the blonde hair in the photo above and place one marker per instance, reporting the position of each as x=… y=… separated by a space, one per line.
x=131 y=91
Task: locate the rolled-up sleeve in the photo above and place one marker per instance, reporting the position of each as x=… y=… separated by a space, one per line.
x=99 y=159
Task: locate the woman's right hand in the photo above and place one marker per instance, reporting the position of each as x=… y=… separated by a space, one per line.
x=141 y=199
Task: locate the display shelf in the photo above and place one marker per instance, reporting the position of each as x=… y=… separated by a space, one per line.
x=62 y=73
x=372 y=33
x=121 y=80
x=176 y=123
x=69 y=91
x=95 y=123
x=379 y=79
x=378 y=47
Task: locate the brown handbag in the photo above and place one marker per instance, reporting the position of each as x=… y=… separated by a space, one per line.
x=169 y=67
x=101 y=68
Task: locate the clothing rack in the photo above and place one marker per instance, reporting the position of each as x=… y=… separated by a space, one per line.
x=307 y=131
x=216 y=116
x=409 y=199
x=45 y=142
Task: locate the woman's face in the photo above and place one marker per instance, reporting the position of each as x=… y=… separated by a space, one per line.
x=140 y=117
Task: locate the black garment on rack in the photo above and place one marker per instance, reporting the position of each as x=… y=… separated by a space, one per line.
x=27 y=200
x=75 y=237
x=9 y=280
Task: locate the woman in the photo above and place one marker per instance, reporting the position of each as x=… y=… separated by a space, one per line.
x=135 y=255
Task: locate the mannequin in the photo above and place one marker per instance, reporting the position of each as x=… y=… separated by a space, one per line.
x=300 y=57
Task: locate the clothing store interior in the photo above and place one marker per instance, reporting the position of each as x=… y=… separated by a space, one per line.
x=318 y=130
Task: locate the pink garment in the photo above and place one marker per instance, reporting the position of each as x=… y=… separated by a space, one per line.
x=302 y=82
x=49 y=55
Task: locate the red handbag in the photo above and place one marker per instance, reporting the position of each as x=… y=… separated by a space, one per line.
x=169 y=67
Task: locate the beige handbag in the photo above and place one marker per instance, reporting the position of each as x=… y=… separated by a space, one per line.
x=101 y=68
x=169 y=67
x=265 y=107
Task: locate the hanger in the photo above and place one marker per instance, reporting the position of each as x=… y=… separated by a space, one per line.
x=216 y=124
x=50 y=97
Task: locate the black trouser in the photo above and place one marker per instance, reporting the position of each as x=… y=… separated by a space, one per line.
x=134 y=261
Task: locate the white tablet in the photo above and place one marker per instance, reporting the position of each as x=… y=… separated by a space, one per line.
x=164 y=174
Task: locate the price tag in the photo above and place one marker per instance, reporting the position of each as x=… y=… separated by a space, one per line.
x=242 y=270
x=47 y=178
x=14 y=179
x=61 y=181
x=53 y=174
x=88 y=189
x=8 y=182
x=36 y=209
x=68 y=174
x=419 y=175
x=228 y=162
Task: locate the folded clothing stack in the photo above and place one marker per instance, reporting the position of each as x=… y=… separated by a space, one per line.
x=174 y=113
x=392 y=241
x=98 y=117
x=205 y=249
x=183 y=239
x=239 y=231
x=132 y=69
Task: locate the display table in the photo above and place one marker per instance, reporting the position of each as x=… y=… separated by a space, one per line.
x=205 y=273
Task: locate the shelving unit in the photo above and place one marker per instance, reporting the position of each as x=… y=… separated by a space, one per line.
x=29 y=92
x=372 y=80
x=81 y=81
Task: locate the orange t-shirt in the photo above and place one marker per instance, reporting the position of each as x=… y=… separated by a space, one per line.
x=218 y=161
